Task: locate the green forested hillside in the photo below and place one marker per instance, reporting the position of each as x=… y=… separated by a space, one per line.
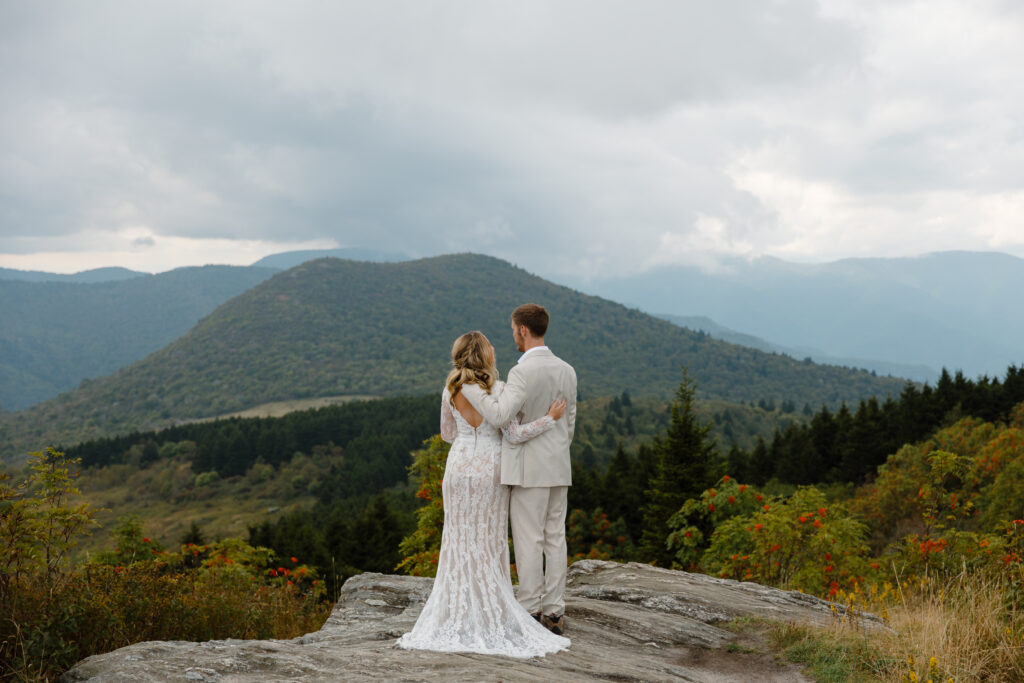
x=55 y=334
x=331 y=327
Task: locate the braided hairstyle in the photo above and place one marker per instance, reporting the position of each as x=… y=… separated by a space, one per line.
x=472 y=363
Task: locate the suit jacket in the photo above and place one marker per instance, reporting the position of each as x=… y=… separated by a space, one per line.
x=532 y=385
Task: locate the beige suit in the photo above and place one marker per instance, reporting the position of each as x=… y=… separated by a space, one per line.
x=538 y=470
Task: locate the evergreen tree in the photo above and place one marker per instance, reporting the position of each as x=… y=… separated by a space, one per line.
x=623 y=490
x=684 y=469
x=585 y=492
x=737 y=463
x=193 y=535
x=761 y=467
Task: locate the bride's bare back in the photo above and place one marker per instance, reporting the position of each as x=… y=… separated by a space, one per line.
x=468 y=412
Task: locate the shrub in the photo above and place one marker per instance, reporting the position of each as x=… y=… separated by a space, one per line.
x=54 y=614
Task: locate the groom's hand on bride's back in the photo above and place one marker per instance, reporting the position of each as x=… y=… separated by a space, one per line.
x=557 y=409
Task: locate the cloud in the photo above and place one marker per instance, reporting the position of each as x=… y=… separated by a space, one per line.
x=582 y=137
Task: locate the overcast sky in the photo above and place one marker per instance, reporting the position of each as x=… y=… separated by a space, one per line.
x=567 y=137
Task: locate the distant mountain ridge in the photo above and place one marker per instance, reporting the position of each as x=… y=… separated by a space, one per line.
x=918 y=373
x=948 y=309
x=55 y=334
x=331 y=327
x=290 y=259
x=54 y=337
x=86 y=276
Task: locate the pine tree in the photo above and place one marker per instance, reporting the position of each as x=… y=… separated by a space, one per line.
x=684 y=468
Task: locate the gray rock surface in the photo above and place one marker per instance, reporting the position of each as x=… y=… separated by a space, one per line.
x=627 y=622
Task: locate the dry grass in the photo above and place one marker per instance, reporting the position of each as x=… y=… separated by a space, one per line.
x=960 y=628
x=281 y=408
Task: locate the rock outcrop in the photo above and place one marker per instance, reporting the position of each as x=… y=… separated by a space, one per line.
x=628 y=622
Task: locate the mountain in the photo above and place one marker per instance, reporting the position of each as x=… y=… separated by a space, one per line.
x=95 y=275
x=53 y=338
x=333 y=327
x=55 y=334
x=918 y=373
x=948 y=309
x=290 y=259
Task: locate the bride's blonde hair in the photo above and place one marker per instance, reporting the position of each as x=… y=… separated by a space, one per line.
x=472 y=363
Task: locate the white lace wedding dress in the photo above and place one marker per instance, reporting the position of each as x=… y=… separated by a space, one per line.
x=472 y=607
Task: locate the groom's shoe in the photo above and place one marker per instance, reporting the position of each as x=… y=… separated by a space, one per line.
x=554 y=624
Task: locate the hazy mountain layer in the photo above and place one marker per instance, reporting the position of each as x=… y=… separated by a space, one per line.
x=88 y=276
x=290 y=259
x=332 y=327
x=918 y=373
x=55 y=334
x=950 y=309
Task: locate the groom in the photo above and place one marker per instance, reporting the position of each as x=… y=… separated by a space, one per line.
x=538 y=470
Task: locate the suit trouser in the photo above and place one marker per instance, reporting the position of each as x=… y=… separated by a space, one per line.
x=538 y=532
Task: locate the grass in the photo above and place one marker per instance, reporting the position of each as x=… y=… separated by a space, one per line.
x=958 y=629
x=833 y=656
x=281 y=408
x=166 y=497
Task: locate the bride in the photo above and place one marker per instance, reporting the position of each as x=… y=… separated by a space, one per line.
x=472 y=607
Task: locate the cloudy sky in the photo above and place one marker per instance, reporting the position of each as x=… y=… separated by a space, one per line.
x=568 y=137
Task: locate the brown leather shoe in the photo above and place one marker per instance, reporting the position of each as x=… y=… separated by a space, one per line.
x=554 y=624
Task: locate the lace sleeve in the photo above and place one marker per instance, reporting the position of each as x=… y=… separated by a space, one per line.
x=518 y=433
x=448 y=426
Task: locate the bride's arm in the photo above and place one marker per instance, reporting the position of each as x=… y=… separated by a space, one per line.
x=448 y=427
x=518 y=433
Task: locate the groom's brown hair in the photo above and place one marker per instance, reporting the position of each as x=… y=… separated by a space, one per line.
x=534 y=316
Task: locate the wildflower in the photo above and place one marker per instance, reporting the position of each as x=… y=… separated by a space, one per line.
x=828 y=569
x=774 y=548
x=822 y=511
x=272 y=572
x=801 y=519
x=294 y=559
x=289 y=583
x=817 y=522
x=758 y=527
x=732 y=499
x=145 y=540
x=828 y=557
x=767 y=508
x=726 y=478
x=712 y=493
x=759 y=498
x=711 y=507
x=743 y=487
x=688 y=534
